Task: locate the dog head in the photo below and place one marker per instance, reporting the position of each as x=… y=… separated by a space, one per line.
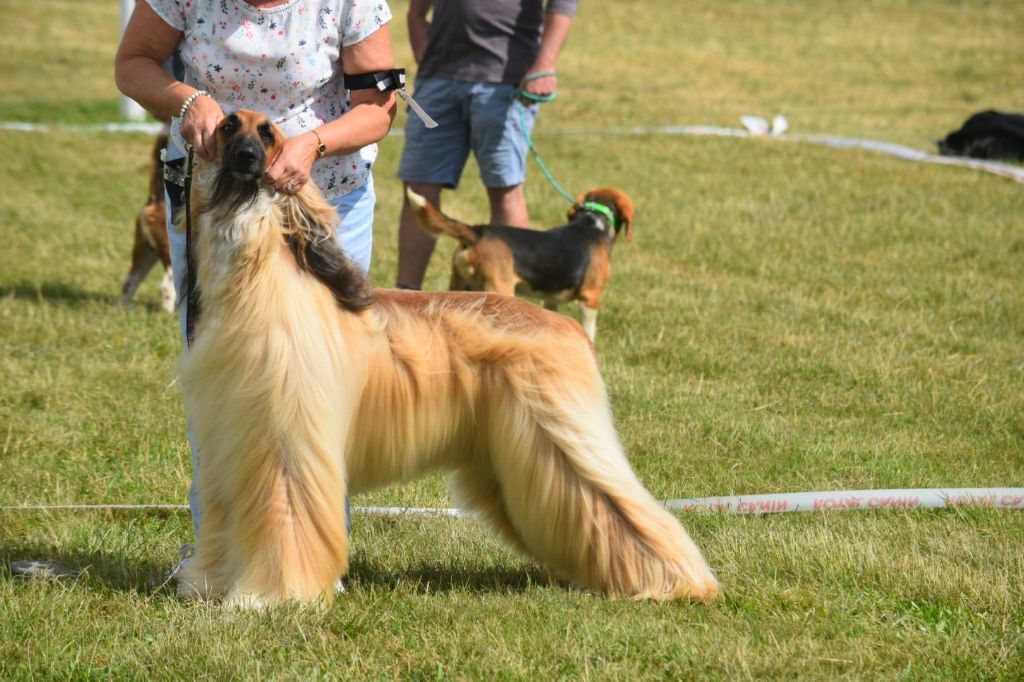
x=617 y=201
x=248 y=143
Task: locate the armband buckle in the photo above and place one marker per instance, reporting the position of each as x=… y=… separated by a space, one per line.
x=382 y=81
x=386 y=81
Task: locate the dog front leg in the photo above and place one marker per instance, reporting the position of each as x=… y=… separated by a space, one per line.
x=207 y=573
x=588 y=318
x=292 y=543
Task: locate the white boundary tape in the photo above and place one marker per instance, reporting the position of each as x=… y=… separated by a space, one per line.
x=140 y=127
x=1005 y=170
x=850 y=500
x=834 y=500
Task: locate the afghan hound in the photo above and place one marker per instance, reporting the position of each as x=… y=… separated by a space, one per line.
x=303 y=385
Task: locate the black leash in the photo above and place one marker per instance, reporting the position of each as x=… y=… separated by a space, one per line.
x=191 y=292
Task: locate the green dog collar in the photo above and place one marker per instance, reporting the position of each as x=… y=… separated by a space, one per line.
x=602 y=209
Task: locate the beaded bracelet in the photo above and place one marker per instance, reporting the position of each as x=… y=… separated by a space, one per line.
x=188 y=101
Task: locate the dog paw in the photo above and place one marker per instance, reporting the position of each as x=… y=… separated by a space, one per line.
x=167 y=297
x=246 y=601
x=190 y=591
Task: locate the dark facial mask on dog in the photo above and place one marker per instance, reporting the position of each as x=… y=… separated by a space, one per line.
x=243 y=150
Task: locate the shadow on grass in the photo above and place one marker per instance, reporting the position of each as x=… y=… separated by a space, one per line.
x=436 y=576
x=97 y=568
x=112 y=572
x=60 y=293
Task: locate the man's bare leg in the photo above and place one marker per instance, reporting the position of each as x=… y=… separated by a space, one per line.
x=508 y=206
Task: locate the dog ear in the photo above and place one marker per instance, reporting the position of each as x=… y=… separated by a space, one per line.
x=624 y=213
x=309 y=223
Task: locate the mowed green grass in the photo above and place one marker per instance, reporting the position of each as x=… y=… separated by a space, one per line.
x=789 y=317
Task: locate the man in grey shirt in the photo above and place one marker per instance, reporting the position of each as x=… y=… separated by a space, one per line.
x=473 y=55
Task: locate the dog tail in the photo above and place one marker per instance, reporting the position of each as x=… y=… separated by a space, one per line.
x=437 y=223
x=561 y=488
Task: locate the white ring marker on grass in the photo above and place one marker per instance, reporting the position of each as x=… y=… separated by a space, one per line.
x=850 y=500
x=1006 y=170
x=833 y=500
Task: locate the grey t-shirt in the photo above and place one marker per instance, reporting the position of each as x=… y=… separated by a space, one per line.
x=493 y=41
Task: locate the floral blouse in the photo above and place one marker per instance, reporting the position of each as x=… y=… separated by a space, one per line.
x=284 y=61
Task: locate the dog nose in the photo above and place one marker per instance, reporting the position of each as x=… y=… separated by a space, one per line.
x=246 y=155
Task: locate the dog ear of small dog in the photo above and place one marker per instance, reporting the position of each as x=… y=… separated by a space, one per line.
x=624 y=212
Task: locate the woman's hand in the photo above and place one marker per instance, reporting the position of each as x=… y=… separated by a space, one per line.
x=199 y=127
x=291 y=169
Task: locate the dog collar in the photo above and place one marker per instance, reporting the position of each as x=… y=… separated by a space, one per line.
x=602 y=209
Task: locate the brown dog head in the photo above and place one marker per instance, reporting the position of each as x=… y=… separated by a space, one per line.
x=616 y=200
x=248 y=143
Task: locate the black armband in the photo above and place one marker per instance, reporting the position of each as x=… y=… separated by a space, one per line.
x=381 y=81
x=387 y=81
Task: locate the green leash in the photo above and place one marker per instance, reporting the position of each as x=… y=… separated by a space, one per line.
x=519 y=92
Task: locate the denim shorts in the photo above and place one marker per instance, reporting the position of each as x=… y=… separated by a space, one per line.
x=486 y=118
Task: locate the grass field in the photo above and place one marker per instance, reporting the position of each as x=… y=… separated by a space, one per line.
x=789 y=317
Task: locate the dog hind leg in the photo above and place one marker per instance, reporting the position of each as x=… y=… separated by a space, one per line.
x=571 y=496
x=167 y=295
x=475 y=487
x=143 y=260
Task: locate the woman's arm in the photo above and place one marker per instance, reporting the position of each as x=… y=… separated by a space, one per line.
x=147 y=44
x=366 y=122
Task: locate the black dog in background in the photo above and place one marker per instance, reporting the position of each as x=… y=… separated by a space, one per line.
x=987 y=135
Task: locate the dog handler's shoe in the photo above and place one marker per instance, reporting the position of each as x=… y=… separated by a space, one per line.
x=185 y=553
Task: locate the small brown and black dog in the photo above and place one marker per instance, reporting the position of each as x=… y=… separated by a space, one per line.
x=151 y=237
x=568 y=263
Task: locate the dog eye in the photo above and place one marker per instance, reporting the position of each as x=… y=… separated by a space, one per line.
x=266 y=133
x=230 y=126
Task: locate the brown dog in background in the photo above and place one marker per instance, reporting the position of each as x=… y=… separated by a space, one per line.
x=568 y=263
x=151 y=237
